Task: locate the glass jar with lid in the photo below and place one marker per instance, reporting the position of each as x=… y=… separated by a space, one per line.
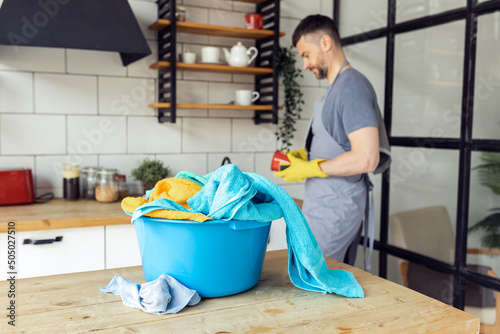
x=122 y=185
x=71 y=181
x=106 y=190
x=89 y=180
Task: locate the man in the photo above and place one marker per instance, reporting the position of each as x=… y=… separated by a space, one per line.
x=342 y=145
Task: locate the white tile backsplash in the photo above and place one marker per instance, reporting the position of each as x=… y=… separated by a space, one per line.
x=17 y=162
x=192 y=92
x=95 y=62
x=146 y=135
x=248 y=137
x=244 y=161
x=26 y=58
x=195 y=163
x=126 y=96
x=32 y=134
x=16 y=92
x=206 y=135
x=96 y=134
x=65 y=94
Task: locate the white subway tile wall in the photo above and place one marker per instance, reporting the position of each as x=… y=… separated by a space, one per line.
x=78 y=106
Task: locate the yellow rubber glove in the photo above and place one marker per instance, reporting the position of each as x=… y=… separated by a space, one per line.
x=301 y=169
x=300 y=153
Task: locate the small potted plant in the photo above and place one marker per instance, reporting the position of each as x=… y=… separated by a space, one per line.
x=149 y=172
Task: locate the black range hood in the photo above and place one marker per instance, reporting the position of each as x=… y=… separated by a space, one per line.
x=105 y=25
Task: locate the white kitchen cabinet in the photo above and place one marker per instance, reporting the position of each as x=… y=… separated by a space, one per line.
x=122 y=249
x=81 y=249
x=277 y=235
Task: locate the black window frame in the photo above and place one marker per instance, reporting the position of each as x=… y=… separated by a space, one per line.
x=465 y=145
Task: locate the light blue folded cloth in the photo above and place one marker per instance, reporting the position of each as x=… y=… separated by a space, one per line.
x=161 y=296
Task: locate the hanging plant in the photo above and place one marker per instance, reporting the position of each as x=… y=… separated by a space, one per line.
x=289 y=74
x=489 y=176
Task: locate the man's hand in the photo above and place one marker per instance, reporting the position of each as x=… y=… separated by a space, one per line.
x=300 y=153
x=301 y=169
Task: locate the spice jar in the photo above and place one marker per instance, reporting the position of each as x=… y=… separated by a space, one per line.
x=89 y=180
x=71 y=181
x=122 y=185
x=106 y=190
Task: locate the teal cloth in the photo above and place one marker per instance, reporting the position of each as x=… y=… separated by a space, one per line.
x=231 y=194
x=198 y=179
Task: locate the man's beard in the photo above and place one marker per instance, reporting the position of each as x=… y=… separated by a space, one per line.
x=322 y=68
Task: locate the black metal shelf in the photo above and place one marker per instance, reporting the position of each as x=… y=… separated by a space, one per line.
x=267 y=42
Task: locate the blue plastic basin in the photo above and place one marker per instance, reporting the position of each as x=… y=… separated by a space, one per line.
x=215 y=258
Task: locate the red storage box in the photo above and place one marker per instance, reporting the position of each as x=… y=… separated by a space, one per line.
x=16 y=187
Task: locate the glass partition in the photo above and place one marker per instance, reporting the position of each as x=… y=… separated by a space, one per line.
x=424 y=184
x=413 y=9
x=486 y=124
x=359 y=16
x=428 y=72
x=483 y=244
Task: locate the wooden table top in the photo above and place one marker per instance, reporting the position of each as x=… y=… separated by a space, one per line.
x=73 y=303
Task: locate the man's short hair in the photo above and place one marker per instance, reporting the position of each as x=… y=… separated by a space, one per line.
x=316 y=23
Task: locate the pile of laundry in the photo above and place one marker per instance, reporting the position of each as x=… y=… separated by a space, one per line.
x=230 y=194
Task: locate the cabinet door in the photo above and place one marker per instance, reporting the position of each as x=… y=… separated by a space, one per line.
x=81 y=249
x=277 y=235
x=122 y=249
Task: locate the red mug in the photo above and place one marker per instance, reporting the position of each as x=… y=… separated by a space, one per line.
x=254 y=21
x=280 y=161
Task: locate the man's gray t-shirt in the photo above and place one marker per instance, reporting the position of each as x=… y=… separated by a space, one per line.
x=351 y=104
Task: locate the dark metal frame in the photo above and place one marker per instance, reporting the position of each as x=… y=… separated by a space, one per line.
x=465 y=144
x=167 y=51
x=266 y=85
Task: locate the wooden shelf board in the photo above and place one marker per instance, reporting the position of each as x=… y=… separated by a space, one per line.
x=213 y=30
x=212 y=106
x=163 y=65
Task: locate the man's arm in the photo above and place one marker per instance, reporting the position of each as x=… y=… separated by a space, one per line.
x=362 y=158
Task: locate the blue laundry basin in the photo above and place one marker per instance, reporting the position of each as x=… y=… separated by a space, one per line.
x=215 y=258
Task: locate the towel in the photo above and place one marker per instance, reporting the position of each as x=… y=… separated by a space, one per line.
x=175 y=190
x=161 y=296
x=198 y=179
x=232 y=194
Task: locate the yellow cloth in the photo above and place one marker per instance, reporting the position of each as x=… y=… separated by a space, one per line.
x=176 y=189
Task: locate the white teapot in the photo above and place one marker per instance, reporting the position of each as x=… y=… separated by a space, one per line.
x=239 y=55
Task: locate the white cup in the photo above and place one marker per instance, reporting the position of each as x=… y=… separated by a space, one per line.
x=210 y=54
x=189 y=57
x=245 y=97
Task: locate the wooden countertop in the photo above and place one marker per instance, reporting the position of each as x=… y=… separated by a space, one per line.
x=73 y=303
x=59 y=213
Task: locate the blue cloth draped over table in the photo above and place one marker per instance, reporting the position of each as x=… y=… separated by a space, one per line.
x=232 y=194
